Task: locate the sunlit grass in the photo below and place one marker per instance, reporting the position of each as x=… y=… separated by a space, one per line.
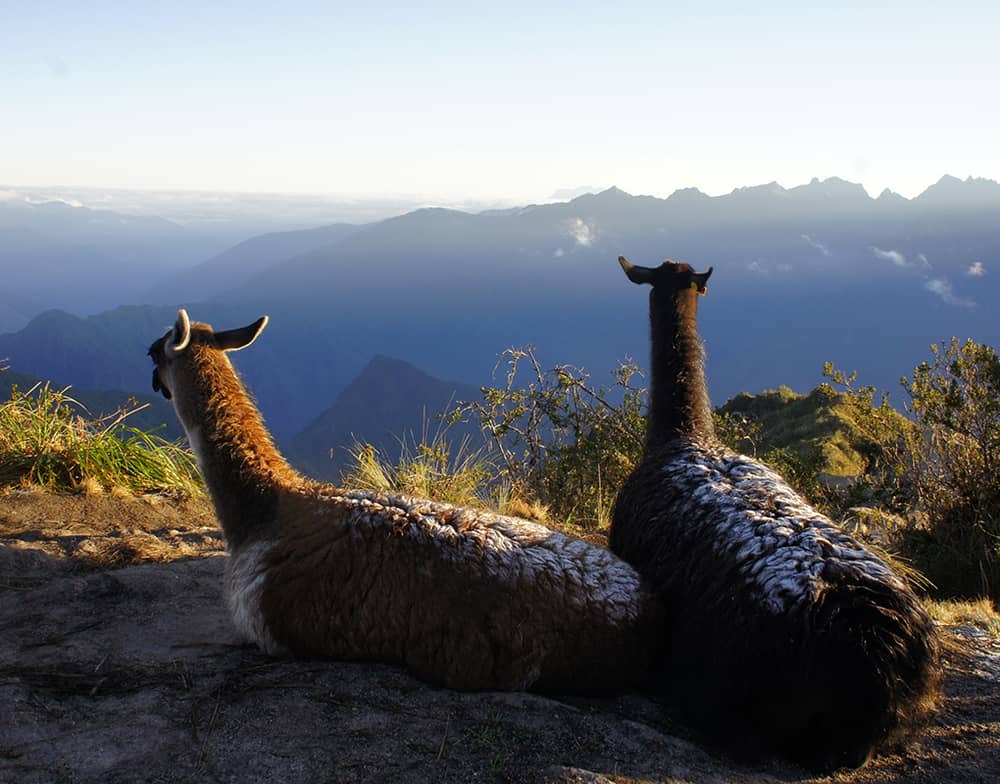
x=428 y=469
x=435 y=468
x=466 y=478
x=979 y=613
x=48 y=439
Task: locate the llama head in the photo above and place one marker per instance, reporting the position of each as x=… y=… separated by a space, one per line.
x=184 y=339
x=669 y=276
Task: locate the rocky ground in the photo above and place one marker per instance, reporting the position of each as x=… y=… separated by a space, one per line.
x=118 y=664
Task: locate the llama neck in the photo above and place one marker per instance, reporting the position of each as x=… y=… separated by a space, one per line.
x=242 y=468
x=679 y=405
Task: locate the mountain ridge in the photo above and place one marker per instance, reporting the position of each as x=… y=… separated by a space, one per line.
x=450 y=290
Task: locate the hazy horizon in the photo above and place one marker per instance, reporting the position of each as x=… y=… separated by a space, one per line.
x=495 y=106
x=303 y=209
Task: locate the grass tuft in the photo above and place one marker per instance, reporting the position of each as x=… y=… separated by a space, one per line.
x=434 y=468
x=431 y=469
x=979 y=613
x=47 y=439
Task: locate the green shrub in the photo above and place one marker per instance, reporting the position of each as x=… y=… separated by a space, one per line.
x=939 y=469
x=561 y=441
x=955 y=398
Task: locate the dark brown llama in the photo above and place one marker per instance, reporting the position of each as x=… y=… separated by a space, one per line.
x=785 y=635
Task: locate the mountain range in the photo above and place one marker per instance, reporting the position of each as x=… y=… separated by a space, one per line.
x=802 y=275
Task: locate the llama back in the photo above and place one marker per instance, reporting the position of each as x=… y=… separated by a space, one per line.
x=783 y=628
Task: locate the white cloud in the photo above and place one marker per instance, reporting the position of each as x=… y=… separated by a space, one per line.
x=756 y=266
x=815 y=243
x=584 y=233
x=894 y=256
x=559 y=253
x=977 y=269
x=8 y=195
x=48 y=200
x=943 y=289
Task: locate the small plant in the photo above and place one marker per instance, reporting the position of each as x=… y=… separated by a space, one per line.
x=739 y=432
x=430 y=468
x=562 y=441
x=46 y=439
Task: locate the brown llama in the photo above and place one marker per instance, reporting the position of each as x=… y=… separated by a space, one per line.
x=462 y=598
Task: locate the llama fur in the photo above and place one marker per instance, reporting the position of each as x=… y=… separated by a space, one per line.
x=462 y=598
x=785 y=634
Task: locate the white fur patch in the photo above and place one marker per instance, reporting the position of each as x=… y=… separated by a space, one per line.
x=245 y=576
x=782 y=546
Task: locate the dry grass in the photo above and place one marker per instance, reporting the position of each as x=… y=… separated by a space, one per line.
x=979 y=613
x=430 y=469
x=526 y=509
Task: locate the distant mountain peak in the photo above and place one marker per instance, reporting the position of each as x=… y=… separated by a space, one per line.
x=832 y=188
x=614 y=193
x=381 y=366
x=688 y=195
x=977 y=191
x=767 y=189
x=888 y=195
x=433 y=210
x=948 y=180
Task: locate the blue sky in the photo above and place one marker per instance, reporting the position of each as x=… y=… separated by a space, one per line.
x=505 y=100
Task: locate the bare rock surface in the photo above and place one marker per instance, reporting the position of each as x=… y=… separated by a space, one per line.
x=118 y=664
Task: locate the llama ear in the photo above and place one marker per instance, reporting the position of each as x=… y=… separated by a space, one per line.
x=635 y=273
x=179 y=336
x=235 y=339
x=699 y=281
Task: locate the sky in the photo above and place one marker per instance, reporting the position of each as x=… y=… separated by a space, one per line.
x=507 y=100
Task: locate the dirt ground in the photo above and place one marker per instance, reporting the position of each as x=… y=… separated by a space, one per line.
x=118 y=664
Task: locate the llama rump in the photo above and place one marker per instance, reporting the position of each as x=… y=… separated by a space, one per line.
x=784 y=635
x=462 y=598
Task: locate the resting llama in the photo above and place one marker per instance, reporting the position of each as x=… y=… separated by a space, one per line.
x=462 y=598
x=785 y=635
